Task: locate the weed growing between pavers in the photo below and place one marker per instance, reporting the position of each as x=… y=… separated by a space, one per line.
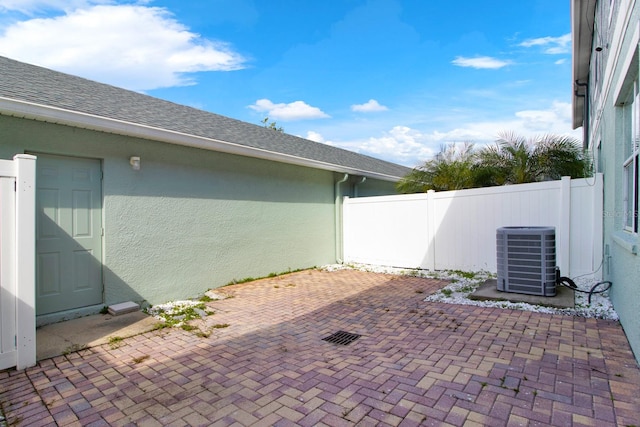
x=177 y=313
x=115 y=342
x=270 y=275
x=220 y=325
x=180 y=313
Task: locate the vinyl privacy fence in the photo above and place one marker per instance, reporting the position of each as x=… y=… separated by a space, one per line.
x=17 y=262
x=456 y=230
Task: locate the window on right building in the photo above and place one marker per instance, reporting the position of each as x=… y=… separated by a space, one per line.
x=630 y=163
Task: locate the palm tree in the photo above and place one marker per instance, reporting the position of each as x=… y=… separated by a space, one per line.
x=513 y=159
x=450 y=169
x=516 y=160
x=562 y=156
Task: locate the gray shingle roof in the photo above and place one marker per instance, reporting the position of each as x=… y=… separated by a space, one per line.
x=42 y=86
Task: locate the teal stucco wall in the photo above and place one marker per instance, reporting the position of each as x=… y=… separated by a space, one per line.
x=190 y=219
x=609 y=132
x=620 y=265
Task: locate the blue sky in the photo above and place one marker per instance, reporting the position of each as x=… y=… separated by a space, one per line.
x=395 y=79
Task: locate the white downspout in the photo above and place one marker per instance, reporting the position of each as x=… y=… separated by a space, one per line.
x=338 y=230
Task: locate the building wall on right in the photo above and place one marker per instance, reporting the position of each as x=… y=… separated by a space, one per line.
x=607 y=106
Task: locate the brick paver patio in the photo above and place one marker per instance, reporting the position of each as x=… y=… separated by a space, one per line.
x=416 y=363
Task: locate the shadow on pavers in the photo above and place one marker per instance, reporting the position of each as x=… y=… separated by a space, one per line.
x=90 y=331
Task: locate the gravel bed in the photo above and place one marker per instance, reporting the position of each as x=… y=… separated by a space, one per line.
x=464 y=283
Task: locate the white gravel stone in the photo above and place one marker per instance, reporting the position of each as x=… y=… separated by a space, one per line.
x=215 y=296
x=600 y=307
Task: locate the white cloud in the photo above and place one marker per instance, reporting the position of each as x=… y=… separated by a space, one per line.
x=369 y=107
x=297 y=110
x=552 y=45
x=555 y=119
x=315 y=136
x=401 y=145
x=412 y=147
x=480 y=62
x=406 y=145
x=131 y=46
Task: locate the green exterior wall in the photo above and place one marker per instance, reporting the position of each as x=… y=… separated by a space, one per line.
x=607 y=128
x=190 y=219
x=620 y=265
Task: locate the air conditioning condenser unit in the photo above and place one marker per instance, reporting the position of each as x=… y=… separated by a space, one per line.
x=527 y=260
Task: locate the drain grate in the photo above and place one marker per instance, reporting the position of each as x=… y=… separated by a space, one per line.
x=341 y=338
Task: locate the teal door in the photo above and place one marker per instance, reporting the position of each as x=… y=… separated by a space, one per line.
x=68 y=233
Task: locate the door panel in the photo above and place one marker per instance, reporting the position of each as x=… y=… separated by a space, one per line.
x=69 y=233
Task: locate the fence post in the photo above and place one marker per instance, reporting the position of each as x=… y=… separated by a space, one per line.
x=431 y=231
x=343 y=247
x=25 y=260
x=563 y=236
x=598 y=219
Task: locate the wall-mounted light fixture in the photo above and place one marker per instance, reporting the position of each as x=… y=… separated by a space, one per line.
x=134 y=161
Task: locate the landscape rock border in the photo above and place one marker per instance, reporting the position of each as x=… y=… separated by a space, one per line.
x=462 y=284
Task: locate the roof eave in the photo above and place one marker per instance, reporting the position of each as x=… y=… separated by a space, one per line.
x=582 y=19
x=39 y=112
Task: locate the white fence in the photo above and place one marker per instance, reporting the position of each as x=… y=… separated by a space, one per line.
x=17 y=262
x=456 y=230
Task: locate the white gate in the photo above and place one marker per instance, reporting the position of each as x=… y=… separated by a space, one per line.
x=17 y=262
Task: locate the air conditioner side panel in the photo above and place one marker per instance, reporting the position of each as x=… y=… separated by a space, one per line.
x=526 y=260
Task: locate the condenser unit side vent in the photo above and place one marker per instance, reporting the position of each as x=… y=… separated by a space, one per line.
x=526 y=260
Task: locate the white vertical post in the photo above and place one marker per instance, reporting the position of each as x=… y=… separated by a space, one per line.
x=8 y=353
x=347 y=229
x=25 y=259
x=598 y=219
x=563 y=236
x=431 y=231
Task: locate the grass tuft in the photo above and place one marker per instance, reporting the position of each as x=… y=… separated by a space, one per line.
x=115 y=341
x=221 y=325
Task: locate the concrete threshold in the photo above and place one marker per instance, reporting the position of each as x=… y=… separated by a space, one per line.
x=488 y=291
x=89 y=331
